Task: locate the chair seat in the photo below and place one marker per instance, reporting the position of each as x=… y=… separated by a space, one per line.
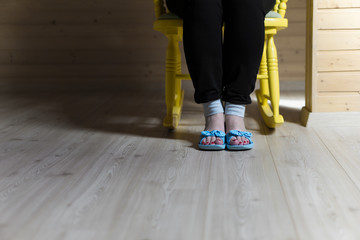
x=167 y=23
x=272 y=19
x=169 y=15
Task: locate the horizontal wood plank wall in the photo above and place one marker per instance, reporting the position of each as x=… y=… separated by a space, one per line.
x=106 y=40
x=336 y=49
x=290 y=43
x=85 y=41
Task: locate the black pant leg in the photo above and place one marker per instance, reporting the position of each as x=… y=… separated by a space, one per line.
x=202 y=41
x=268 y=5
x=223 y=71
x=176 y=6
x=243 y=47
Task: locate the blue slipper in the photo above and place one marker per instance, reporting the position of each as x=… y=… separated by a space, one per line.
x=215 y=133
x=236 y=133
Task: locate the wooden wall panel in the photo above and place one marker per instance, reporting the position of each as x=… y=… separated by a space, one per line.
x=338 y=4
x=338 y=81
x=335 y=19
x=333 y=77
x=82 y=70
x=338 y=40
x=338 y=61
x=82 y=39
x=108 y=38
x=291 y=43
x=339 y=102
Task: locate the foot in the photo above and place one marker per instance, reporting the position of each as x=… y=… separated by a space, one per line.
x=214 y=122
x=236 y=123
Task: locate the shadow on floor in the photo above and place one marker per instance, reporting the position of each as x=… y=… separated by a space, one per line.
x=118 y=107
x=132 y=108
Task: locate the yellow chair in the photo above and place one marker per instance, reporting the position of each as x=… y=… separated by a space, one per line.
x=171 y=26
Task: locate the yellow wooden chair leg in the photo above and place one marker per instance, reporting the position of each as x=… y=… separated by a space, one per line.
x=269 y=85
x=173 y=92
x=179 y=93
x=274 y=87
x=264 y=84
x=263 y=94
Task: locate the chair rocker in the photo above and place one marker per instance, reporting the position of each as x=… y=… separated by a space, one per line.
x=268 y=96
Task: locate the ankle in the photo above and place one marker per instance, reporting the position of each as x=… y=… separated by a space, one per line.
x=215 y=122
x=234 y=123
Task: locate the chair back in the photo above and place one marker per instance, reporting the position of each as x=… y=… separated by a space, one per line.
x=280 y=7
x=159 y=8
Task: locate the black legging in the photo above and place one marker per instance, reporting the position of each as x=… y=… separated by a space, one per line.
x=222 y=68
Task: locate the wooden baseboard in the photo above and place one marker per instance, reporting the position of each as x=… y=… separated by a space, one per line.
x=328 y=119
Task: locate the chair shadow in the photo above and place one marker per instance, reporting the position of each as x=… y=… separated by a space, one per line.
x=291 y=114
x=123 y=108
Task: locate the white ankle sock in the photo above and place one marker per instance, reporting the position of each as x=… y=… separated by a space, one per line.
x=213 y=107
x=234 y=109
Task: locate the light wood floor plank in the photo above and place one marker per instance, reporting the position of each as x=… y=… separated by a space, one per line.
x=320 y=194
x=38 y=129
x=344 y=145
x=123 y=172
x=103 y=167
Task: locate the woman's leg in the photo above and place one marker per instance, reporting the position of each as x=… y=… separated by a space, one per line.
x=243 y=46
x=242 y=52
x=202 y=40
x=177 y=6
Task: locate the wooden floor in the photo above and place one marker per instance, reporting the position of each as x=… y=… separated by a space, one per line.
x=95 y=163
